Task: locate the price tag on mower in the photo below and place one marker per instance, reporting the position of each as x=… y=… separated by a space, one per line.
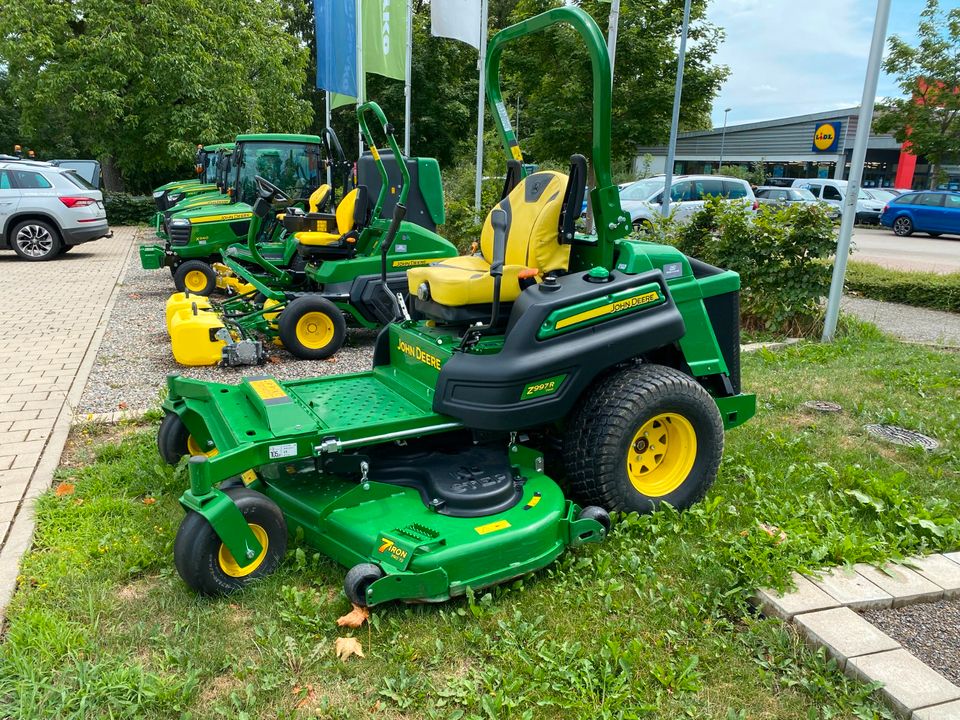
x=278 y=452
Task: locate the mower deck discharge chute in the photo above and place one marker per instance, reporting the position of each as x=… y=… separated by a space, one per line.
x=425 y=475
x=337 y=283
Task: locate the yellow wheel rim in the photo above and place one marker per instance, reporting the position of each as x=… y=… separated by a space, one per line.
x=230 y=566
x=661 y=454
x=315 y=330
x=193 y=448
x=195 y=281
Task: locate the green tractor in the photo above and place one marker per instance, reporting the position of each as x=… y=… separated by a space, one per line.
x=425 y=475
x=323 y=273
x=219 y=195
x=195 y=237
x=206 y=163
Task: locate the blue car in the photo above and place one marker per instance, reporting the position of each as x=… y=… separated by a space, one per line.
x=934 y=212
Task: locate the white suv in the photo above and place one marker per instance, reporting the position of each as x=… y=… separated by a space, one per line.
x=642 y=199
x=46 y=210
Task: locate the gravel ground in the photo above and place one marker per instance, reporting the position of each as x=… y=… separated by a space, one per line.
x=906 y=322
x=930 y=631
x=135 y=358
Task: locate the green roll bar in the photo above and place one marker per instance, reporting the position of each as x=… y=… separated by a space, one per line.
x=394 y=147
x=612 y=223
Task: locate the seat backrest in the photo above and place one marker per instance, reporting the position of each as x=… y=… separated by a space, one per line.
x=318 y=198
x=533 y=223
x=352 y=210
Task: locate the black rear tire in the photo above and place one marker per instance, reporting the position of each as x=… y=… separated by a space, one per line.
x=312 y=328
x=358 y=579
x=196 y=277
x=206 y=565
x=903 y=226
x=643 y=436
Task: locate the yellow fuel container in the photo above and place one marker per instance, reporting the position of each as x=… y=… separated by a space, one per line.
x=193 y=337
x=184 y=301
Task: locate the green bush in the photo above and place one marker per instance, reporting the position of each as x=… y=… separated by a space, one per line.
x=126 y=209
x=922 y=289
x=780 y=253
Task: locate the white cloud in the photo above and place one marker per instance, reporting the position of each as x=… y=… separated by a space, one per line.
x=790 y=58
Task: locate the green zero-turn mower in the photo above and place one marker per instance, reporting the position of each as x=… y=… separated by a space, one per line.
x=339 y=279
x=425 y=475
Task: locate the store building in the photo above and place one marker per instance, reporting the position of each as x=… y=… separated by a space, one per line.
x=803 y=146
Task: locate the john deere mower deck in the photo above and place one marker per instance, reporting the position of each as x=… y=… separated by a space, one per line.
x=425 y=475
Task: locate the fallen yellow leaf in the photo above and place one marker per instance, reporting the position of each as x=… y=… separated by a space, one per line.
x=355 y=618
x=773 y=531
x=65 y=489
x=345 y=647
x=149 y=500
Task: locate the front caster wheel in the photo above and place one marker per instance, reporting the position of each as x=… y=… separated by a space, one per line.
x=312 y=328
x=195 y=277
x=174 y=440
x=596 y=513
x=206 y=564
x=644 y=436
x=358 y=579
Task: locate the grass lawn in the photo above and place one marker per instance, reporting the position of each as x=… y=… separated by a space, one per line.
x=654 y=623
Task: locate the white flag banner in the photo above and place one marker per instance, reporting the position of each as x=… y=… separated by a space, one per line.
x=457 y=19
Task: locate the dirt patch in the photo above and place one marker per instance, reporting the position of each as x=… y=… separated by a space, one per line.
x=217 y=688
x=137 y=590
x=85 y=437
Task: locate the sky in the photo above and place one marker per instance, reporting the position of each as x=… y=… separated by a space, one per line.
x=791 y=57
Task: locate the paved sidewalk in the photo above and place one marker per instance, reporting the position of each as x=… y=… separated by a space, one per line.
x=906 y=322
x=51 y=333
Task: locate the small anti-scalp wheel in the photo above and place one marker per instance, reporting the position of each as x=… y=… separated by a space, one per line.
x=596 y=513
x=312 y=328
x=196 y=277
x=358 y=579
x=174 y=440
x=206 y=564
x=641 y=437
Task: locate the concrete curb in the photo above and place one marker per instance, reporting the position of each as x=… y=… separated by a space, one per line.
x=20 y=534
x=822 y=611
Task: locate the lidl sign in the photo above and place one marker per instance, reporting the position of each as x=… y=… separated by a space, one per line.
x=826 y=137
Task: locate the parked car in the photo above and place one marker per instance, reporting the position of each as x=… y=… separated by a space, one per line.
x=46 y=210
x=768 y=195
x=643 y=198
x=934 y=212
x=883 y=195
x=832 y=192
x=89 y=170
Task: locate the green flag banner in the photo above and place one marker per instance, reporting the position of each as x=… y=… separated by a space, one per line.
x=338 y=100
x=384 y=28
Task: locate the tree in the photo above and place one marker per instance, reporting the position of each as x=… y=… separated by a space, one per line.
x=551 y=72
x=138 y=85
x=929 y=76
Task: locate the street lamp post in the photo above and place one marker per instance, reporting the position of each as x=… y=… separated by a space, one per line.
x=723 y=136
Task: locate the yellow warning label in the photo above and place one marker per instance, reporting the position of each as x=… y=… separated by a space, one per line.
x=267 y=389
x=515 y=151
x=248 y=477
x=492 y=527
x=533 y=501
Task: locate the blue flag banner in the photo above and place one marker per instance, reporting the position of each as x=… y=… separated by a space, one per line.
x=336 y=24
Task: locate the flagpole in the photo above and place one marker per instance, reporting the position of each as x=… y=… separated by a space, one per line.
x=481 y=101
x=408 y=80
x=361 y=78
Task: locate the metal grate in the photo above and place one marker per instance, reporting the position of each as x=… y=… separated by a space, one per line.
x=418 y=532
x=901 y=436
x=824 y=406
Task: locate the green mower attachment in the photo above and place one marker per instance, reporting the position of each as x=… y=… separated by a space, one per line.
x=616 y=359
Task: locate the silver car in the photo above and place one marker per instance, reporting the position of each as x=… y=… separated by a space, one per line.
x=46 y=210
x=642 y=199
x=773 y=195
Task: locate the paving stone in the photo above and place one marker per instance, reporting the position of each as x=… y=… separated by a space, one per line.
x=806 y=598
x=947 y=711
x=850 y=588
x=908 y=684
x=903 y=584
x=953 y=557
x=940 y=570
x=843 y=633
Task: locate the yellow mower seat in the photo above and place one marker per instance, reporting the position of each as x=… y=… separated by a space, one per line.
x=533 y=248
x=318 y=199
x=346 y=223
